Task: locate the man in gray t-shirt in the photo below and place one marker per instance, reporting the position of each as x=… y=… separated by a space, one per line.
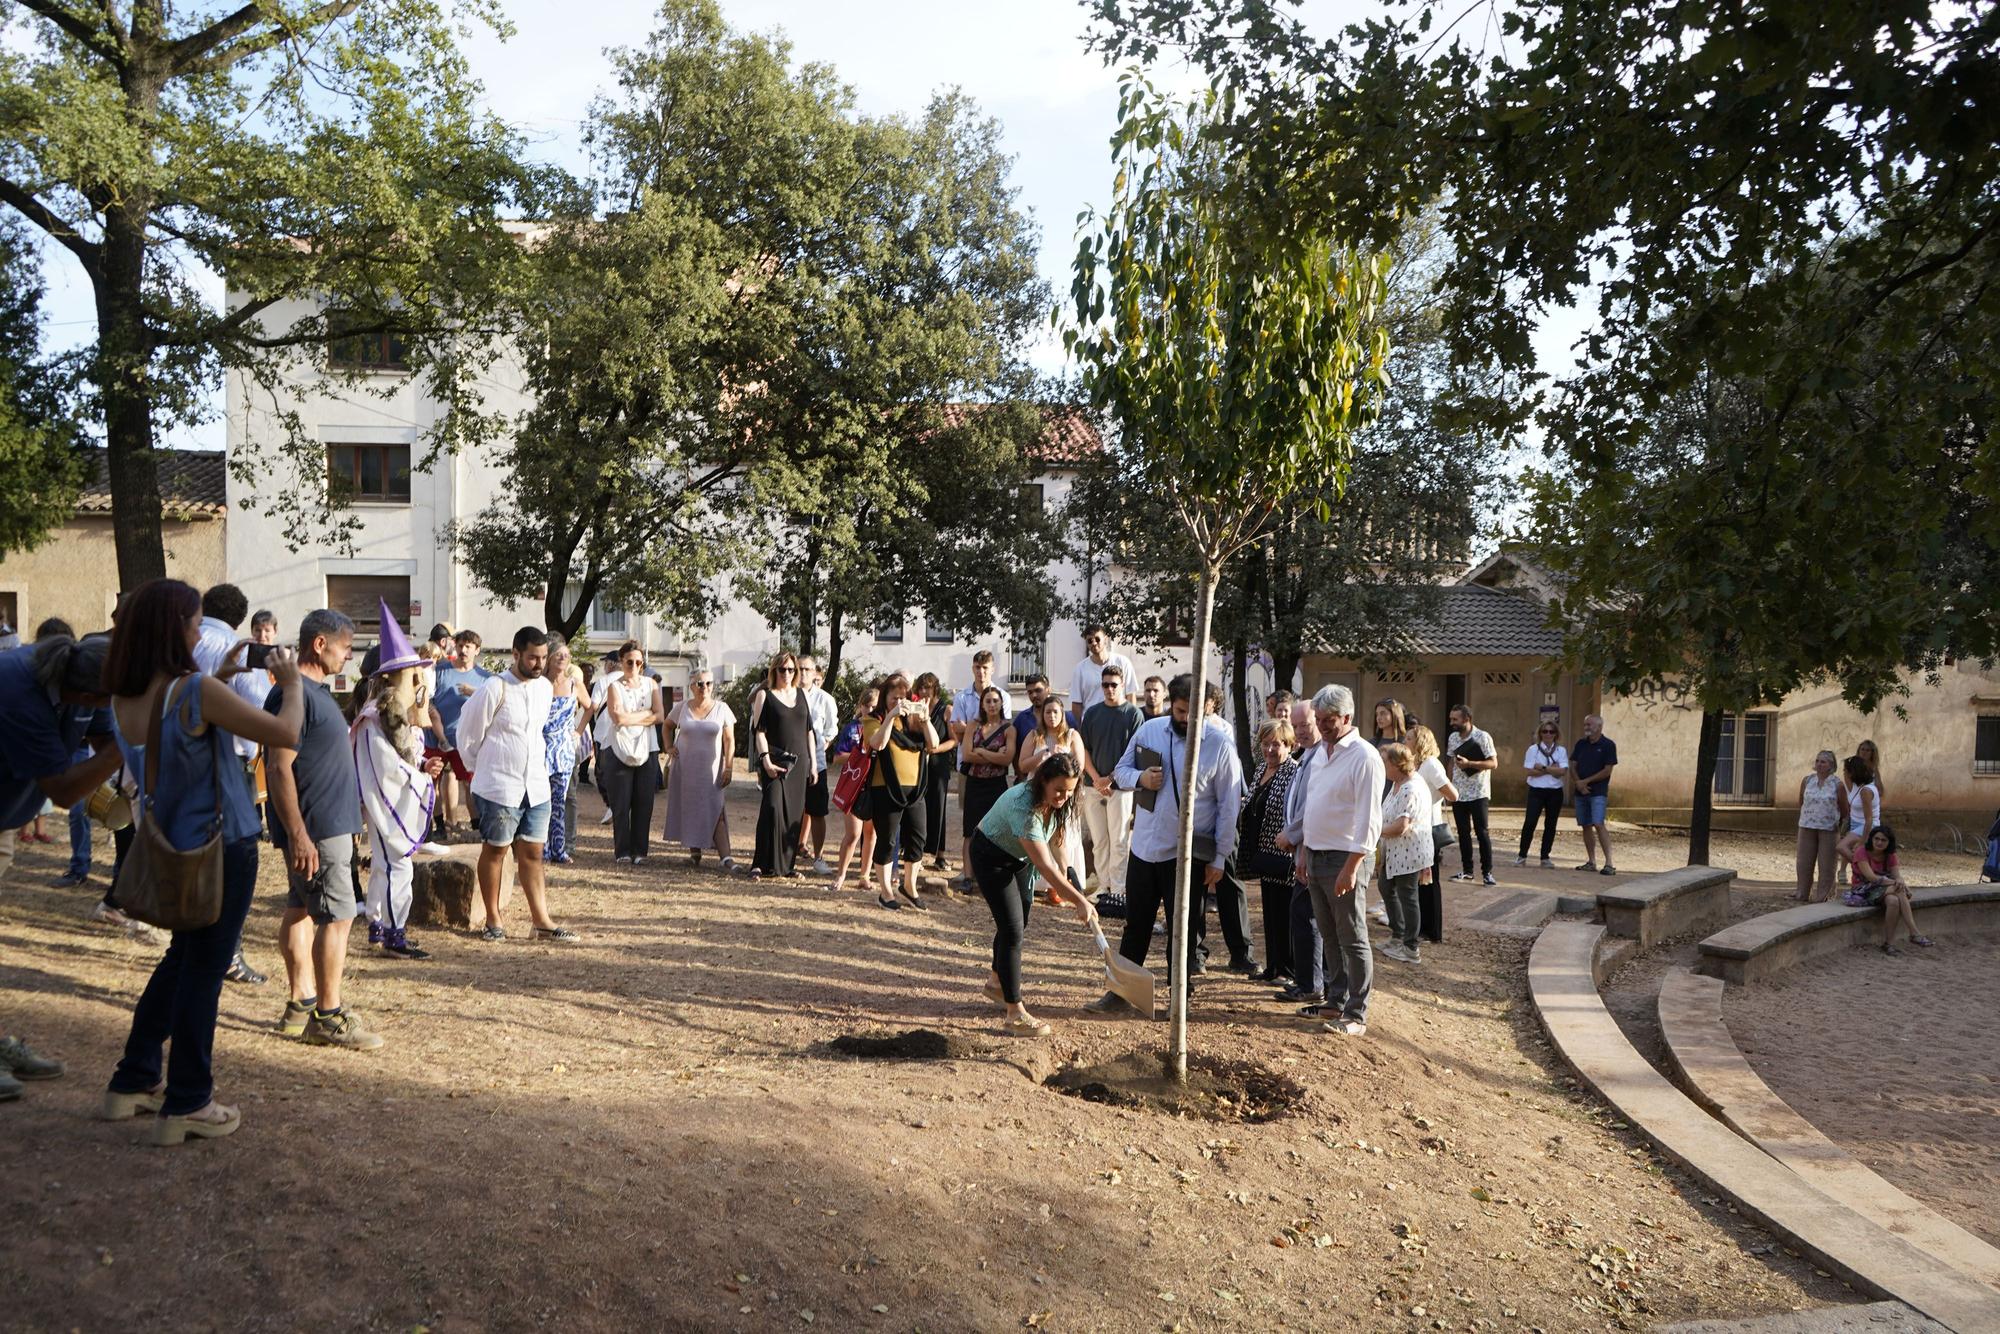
x=1106 y=808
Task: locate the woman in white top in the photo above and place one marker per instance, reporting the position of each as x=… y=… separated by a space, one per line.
x=1053 y=734
x=1822 y=814
x=1864 y=805
x=1406 y=849
x=1547 y=763
x=628 y=772
x=1437 y=786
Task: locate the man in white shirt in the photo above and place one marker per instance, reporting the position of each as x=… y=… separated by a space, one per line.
x=1342 y=809
x=825 y=714
x=500 y=740
x=1086 y=683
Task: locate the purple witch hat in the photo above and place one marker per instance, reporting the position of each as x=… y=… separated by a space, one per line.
x=394 y=650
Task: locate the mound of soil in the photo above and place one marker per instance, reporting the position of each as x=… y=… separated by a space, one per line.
x=1216 y=1089
x=915 y=1044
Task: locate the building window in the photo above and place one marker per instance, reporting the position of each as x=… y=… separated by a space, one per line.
x=1025 y=660
x=1743 y=759
x=889 y=625
x=1031 y=500
x=369 y=472
x=358 y=595
x=606 y=619
x=1500 y=678
x=1986 y=745
x=1395 y=678
x=936 y=632
x=379 y=351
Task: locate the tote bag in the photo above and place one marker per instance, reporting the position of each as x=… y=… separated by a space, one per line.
x=160 y=884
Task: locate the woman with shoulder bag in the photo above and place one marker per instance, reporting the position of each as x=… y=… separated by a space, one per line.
x=1263 y=819
x=780 y=733
x=627 y=772
x=859 y=831
x=192 y=800
x=902 y=738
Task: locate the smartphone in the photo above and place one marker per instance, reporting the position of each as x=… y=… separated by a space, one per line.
x=256 y=655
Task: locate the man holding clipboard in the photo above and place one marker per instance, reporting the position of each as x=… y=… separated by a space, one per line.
x=1151 y=769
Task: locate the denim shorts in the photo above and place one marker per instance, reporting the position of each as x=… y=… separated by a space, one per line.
x=1589 y=809
x=500 y=826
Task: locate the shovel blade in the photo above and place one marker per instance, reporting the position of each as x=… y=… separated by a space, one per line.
x=1130 y=982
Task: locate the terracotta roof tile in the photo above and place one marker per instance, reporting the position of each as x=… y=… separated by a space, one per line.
x=1069 y=441
x=192 y=481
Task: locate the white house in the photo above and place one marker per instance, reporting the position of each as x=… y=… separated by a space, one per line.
x=373 y=440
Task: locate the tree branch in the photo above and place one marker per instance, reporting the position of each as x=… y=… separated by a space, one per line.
x=35 y=211
x=233 y=37
x=79 y=28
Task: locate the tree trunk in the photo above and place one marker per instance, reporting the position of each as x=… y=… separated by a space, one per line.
x=1186 y=885
x=833 y=642
x=1284 y=666
x=1239 y=699
x=1703 y=805
x=808 y=602
x=123 y=374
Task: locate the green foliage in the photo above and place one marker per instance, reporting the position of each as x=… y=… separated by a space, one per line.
x=330 y=157
x=738 y=369
x=41 y=470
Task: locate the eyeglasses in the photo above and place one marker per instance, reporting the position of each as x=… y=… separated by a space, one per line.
x=787 y=671
x=634 y=662
x=701 y=685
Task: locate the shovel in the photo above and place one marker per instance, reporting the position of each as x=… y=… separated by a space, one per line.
x=1130 y=982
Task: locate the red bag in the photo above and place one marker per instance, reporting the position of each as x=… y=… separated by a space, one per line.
x=853 y=779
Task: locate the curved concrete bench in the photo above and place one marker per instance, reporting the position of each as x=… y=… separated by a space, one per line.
x=1561 y=979
x=1715 y=1072
x=1653 y=908
x=1753 y=950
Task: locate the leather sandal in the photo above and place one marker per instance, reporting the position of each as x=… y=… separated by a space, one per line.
x=1027 y=1028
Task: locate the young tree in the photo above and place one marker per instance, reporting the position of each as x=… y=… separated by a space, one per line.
x=330 y=151
x=41 y=470
x=1235 y=359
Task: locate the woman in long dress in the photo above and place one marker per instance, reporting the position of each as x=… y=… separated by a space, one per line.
x=780 y=731
x=701 y=739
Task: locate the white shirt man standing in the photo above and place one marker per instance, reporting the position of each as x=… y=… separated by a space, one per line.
x=500 y=740
x=1086 y=684
x=1342 y=809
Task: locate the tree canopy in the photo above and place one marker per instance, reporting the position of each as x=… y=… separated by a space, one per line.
x=325 y=151
x=41 y=470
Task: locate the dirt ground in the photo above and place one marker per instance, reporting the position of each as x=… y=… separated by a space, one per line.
x=649 y=1129
x=1895 y=1060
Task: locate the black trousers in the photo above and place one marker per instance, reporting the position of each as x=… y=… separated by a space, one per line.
x=1232 y=905
x=1470 y=816
x=1546 y=804
x=1006 y=883
x=936 y=789
x=1275 y=897
x=1149 y=887
x=898 y=827
x=628 y=789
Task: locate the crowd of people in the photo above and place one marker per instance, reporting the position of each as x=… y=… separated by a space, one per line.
x=218 y=741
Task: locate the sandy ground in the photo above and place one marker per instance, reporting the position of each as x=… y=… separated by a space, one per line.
x=647 y=1130
x=1896 y=1061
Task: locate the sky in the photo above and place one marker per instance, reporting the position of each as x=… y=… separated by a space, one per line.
x=1022 y=61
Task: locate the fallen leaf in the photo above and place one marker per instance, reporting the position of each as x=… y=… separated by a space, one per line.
x=879 y=1309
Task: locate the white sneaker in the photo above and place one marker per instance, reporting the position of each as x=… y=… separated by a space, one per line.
x=606 y=819
x=106 y=915
x=1548 y=865
x=820 y=866
x=1521 y=861
x=1379 y=916
x=1347 y=1028
x=143 y=934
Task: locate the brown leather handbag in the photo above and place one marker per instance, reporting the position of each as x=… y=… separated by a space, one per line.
x=160 y=884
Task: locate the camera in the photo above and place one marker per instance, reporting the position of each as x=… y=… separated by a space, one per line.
x=256 y=655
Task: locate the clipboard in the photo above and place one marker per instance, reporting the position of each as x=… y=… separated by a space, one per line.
x=1144 y=758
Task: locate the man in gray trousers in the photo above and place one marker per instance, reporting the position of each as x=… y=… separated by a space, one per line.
x=1335 y=824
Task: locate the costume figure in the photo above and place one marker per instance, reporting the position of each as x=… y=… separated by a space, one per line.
x=398 y=785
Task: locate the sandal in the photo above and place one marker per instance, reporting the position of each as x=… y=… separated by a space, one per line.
x=557 y=933
x=124 y=1106
x=1027 y=1028
x=694 y=858
x=1892 y=951
x=168 y=1130
x=727 y=865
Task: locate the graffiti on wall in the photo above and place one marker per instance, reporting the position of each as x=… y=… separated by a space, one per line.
x=1661 y=694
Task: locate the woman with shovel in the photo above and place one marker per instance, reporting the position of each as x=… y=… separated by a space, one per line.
x=1022 y=838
